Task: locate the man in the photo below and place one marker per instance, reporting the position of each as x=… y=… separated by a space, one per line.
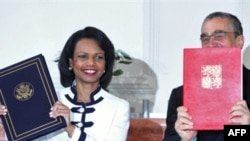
x=219 y=29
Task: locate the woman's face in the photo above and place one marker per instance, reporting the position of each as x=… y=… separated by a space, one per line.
x=88 y=62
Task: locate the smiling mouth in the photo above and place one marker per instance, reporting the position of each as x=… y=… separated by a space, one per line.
x=90 y=71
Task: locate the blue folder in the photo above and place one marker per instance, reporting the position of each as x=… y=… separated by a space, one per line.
x=26 y=89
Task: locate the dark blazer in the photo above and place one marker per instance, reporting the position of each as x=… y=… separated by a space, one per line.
x=175 y=101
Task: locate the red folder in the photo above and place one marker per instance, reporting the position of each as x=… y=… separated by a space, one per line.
x=212 y=84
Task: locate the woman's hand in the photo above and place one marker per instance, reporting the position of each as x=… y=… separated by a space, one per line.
x=59 y=109
x=3 y=110
x=240 y=113
x=183 y=124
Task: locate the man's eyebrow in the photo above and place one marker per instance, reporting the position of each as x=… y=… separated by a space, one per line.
x=218 y=30
x=203 y=34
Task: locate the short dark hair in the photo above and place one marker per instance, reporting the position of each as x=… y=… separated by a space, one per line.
x=67 y=76
x=235 y=22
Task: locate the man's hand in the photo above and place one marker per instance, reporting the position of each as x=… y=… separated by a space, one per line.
x=183 y=124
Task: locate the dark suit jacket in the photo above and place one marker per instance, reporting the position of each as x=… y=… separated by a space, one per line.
x=175 y=101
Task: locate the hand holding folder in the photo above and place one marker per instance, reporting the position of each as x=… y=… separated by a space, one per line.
x=27 y=91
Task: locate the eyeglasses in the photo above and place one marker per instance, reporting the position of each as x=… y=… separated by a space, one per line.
x=218 y=35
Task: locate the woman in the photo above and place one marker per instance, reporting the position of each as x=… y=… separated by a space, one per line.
x=86 y=66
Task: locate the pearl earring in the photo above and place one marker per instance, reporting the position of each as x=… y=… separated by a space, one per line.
x=70 y=68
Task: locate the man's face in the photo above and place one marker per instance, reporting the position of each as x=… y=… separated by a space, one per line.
x=218 y=32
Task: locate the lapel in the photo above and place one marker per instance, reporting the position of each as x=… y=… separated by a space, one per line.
x=246 y=85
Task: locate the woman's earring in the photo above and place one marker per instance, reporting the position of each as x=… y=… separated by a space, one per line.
x=70 y=68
